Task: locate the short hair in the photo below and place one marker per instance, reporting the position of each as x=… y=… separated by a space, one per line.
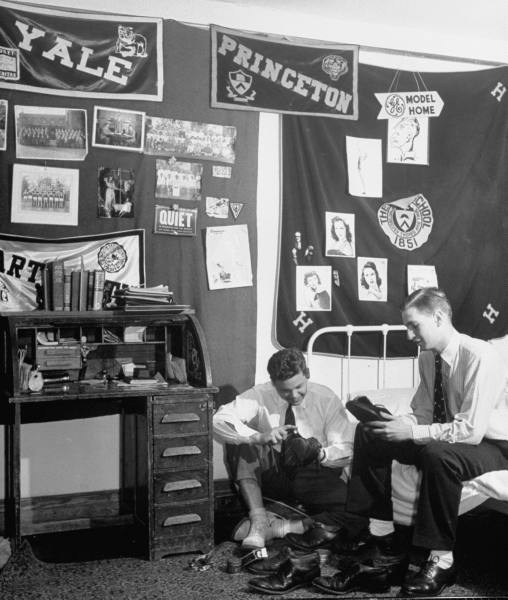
x=336 y=219
x=370 y=265
x=310 y=274
x=286 y=363
x=428 y=300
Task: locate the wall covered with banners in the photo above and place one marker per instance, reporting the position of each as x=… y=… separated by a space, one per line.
x=413 y=193
x=174 y=251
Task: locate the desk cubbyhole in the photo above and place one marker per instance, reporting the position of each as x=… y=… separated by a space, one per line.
x=92 y=335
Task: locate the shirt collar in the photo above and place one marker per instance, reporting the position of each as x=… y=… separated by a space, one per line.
x=451 y=350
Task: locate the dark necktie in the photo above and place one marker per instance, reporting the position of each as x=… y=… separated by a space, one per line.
x=289 y=419
x=439 y=415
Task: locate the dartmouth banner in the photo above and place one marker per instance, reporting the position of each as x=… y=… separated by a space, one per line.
x=23 y=260
x=99 y=56
x=271 y=74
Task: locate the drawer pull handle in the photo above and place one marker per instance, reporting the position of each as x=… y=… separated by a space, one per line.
x=179 y=418
x=181 y=520
x=185 y=484
x=181 y=451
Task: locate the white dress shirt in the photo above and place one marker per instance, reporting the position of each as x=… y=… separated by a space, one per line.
x=260 y=409
x=474 y=386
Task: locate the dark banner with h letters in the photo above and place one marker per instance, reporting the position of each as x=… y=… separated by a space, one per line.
x=100 y=56
x=274 y=74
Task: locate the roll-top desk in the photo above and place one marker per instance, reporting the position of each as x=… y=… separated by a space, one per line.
x=134 y=364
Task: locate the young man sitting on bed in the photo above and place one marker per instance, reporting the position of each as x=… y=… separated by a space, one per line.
x=451 y=436
x=257 y=425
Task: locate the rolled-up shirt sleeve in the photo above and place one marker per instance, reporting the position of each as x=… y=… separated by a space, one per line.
x=339 y=434
x=235 y=422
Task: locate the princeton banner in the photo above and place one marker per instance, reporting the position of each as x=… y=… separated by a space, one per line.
x=273 y=74
x=22 y=260
x=89 y=54
x=450 y=214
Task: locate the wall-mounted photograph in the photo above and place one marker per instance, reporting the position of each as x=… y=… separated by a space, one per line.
x=118 y=129
x=313 y=288
x=44 y=195
x=178 y=180
x=189 y=139
x=50 y=133
x=372 y=279
x=408 y=141
x=340 y=234
x=115 y=192
x=3 y=124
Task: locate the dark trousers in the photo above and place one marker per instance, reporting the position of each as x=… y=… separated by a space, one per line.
x=320 y=490
x=444 y=467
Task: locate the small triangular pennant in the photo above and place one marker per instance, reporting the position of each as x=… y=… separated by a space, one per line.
x=236 y=208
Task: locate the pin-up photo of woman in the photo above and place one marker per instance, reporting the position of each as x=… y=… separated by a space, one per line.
x=372 y=273
x=340 y=231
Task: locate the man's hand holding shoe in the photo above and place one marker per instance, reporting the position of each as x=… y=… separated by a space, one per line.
x=275 y=436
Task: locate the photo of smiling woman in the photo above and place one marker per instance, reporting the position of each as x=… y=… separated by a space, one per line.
x=372 y=279
x=340 y=229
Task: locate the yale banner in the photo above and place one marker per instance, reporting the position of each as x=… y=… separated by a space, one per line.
x=256 y=72
x=23 y=259
x=99 y=56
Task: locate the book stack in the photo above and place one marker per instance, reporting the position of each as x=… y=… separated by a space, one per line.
x=71 y=288
x=144 y=298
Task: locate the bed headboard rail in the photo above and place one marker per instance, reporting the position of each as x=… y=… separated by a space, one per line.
x=349 y=330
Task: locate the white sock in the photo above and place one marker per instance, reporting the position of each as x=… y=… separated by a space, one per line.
x=281 y=527
x=444 y=558
x=380 y=528
x=258 y=514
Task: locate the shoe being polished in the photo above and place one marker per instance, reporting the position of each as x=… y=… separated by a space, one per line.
x=295 y=572
x=354 y=576
x=430 y=580
x=317 y=536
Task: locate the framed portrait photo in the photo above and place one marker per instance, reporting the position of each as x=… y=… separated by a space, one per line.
x=118 y=129
x=49 y=133
x=3 y=124
x=44 y=195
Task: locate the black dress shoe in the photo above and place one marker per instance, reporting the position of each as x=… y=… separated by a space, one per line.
x=382 y=549
x=270 y=564
x=317 y=536
x=355 y=576
x=294 y=573
x=430 y=580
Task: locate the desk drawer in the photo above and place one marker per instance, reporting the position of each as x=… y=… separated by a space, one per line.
x=186 y=520
x=179 y=486
x=180 y=452
x=185 y=417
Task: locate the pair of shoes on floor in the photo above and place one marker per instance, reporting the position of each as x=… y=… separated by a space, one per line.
x=295 y=571
x=319 y=535
x=362 y=576
x=255 y=534
x=277 y=554
x=388 y=549
x=430 y=580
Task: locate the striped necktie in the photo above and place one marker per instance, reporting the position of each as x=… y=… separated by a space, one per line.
x=439 y=415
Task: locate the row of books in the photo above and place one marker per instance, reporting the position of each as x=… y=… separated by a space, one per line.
x=72 y=289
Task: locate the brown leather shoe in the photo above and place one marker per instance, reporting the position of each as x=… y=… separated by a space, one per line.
x=430 y=580
x=293 y=573
x=355 y=576
x=317 y=536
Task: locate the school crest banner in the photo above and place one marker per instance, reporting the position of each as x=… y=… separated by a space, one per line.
x=355 y=226
x=94 y=55
x=23 y=259
x=273 y=74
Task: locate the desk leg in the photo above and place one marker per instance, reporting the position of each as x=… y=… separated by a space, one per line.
x=13 y=467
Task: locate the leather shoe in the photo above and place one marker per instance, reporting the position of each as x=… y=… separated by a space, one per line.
x=317 y=536
x=271 y=564
x=293 y=573
x=430 y=580
x=355 y=576
x=382 y=549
